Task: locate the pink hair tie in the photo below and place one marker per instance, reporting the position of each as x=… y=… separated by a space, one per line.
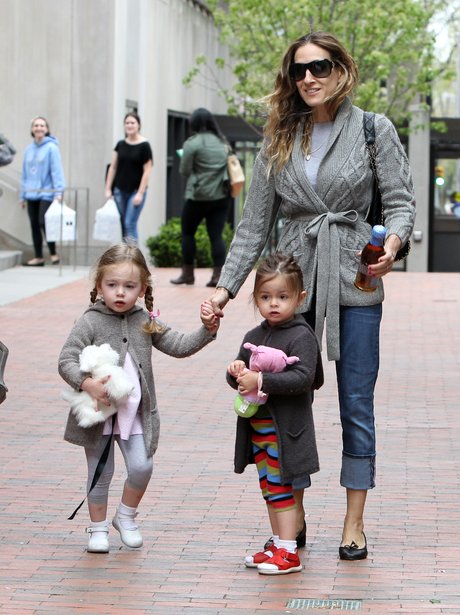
x=154 y=314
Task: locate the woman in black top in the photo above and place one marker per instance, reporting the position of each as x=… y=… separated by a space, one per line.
x=128 y=176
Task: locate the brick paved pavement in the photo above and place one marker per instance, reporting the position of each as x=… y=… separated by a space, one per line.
x=198 y=518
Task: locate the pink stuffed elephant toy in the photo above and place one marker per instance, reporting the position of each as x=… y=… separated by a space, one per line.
x=263 y=359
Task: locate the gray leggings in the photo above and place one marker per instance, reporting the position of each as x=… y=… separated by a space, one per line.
x=139 y=467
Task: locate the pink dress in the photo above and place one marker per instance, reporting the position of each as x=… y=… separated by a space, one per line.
x=128 y=420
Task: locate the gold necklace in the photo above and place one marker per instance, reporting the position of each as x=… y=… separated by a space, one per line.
x=310 y=153
x=324 y=136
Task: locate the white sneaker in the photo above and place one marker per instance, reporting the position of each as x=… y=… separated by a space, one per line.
x=129 y=532
x=98 y=540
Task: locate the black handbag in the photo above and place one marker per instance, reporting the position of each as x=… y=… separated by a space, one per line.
x=375 y=214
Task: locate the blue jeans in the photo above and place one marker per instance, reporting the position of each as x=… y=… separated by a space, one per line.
x=129 y=213
x=356 y=377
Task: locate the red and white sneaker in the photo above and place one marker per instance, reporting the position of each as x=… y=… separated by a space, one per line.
x=282 y=562
x=252 y=561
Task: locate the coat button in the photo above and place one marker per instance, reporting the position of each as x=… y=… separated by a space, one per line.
x=125 y=340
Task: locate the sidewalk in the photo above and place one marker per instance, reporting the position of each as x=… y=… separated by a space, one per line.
x=198 y=518
x=21 y=282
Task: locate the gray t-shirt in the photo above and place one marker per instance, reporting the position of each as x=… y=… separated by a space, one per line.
x=319 y=139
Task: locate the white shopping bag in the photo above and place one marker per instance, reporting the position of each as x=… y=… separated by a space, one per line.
x=60 y=222
x=107 y=225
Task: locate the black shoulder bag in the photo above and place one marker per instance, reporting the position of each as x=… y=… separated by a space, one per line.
x=375 y=215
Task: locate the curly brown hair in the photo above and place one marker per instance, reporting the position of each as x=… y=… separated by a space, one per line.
x=286 y=109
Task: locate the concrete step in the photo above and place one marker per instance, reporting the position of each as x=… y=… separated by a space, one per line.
x=10 y=258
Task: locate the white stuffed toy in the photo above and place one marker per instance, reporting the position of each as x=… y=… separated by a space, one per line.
x=99 y=361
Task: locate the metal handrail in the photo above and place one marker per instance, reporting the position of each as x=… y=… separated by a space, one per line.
x=78 y=196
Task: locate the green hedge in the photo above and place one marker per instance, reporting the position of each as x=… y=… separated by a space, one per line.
x=166 y=250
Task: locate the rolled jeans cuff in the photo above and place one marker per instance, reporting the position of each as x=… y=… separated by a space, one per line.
x=358 y=472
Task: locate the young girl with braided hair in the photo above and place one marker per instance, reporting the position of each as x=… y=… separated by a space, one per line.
x=115 y=317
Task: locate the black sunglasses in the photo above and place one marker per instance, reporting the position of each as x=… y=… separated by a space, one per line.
x=318 y=68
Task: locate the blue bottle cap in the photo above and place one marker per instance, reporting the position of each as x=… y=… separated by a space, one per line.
x=379 y=230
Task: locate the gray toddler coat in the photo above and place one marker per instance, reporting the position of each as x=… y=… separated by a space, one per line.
x=99 y=325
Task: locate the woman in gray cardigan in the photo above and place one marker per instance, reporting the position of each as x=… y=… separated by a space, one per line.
x=313 y=170
x=204 y=165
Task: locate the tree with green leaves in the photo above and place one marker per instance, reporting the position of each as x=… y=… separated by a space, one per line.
x=393 y=44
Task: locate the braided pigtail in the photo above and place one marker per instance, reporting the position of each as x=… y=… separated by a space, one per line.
x=148 y=298
x=93 y=295
x=152 y=326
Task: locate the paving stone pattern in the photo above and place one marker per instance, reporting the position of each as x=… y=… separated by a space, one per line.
x=198 y=518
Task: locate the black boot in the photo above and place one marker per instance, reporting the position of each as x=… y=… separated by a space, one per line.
x=215 y=277
x=3 y=357
x=186 y=277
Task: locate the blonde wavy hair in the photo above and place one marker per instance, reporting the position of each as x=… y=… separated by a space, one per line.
x=127 y=253
x=286 y=109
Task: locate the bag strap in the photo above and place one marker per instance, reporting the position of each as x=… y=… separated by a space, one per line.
x=369 y=127
x=369 y=136
x=99 y=469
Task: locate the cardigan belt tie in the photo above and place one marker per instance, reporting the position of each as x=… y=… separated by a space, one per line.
x=323 y=228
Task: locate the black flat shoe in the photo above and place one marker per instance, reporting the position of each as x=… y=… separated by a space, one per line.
x=30 y=264
x=352 y=552
x=301 y=538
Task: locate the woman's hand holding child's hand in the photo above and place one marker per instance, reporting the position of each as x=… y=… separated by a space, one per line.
x=96 y=389
x=208 y=318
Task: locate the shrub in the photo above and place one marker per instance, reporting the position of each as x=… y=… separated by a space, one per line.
x=166 y=250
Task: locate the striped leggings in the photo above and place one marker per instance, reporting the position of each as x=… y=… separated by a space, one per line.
x=265 y=450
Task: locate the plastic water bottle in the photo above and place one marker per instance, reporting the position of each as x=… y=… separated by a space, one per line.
x=370 y=254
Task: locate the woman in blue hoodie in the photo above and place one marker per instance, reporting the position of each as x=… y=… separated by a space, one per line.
x=42 y=181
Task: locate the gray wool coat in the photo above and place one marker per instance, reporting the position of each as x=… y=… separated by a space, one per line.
x=290 y=397
x=325 y=229
x=99 y=325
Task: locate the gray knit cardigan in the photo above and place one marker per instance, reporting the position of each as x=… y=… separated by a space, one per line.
x=325 y=229
x=99 y=325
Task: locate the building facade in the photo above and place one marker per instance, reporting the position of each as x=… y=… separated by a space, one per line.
x=83 y=64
